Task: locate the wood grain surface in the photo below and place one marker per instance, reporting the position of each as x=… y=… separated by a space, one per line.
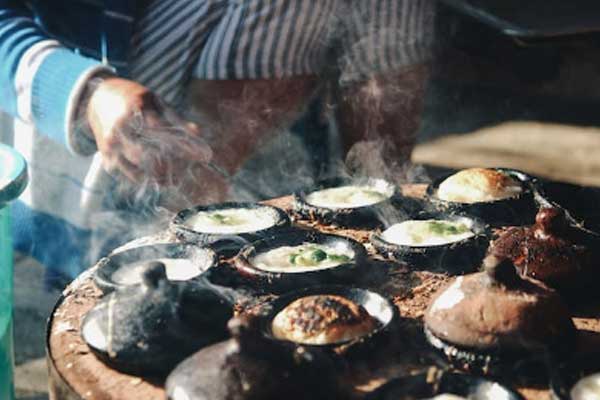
x=77 y=374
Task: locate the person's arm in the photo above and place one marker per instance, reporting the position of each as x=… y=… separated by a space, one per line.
x=379 y=119
x=41 y=81
x=243 y=113
x=382 y=84
x=79 y=102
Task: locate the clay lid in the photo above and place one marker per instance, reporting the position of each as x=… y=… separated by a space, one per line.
x=249 y=367
x=553 y=250
x=498 y=310
x=142 y=328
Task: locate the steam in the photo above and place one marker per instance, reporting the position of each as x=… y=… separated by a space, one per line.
x=367 y=112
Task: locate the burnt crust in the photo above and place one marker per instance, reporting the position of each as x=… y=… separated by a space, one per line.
x=330 y=314
x=516 y=210
x=490 y=179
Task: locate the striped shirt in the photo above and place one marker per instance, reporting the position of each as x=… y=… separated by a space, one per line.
x=67 y=207
x=264 y=39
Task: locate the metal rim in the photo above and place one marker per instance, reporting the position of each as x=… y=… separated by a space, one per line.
x=187 y=234
x=107 y=266
x=520 y=209
x=13 y=176
x=351 y=217
x=387 y=315
x=281 y=281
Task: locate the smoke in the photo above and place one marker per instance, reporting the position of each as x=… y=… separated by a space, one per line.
x=243 y=148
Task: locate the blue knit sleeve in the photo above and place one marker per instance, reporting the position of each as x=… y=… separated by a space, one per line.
x=40 y=80
x=17 y=33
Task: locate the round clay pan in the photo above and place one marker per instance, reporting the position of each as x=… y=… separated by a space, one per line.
x=376 y=305
x=144 y=329
x=227 y=244
x=457 y=257
x=516 y=210
x=278 y=282
x=124 y=268
x=354 y=217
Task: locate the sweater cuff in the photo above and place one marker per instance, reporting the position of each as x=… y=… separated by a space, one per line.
x=57 y=88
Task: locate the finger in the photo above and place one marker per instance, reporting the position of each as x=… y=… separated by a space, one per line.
x=114 y=168
x=161 y=127
x=186 y=136
x=129 y=170
x=194 y=148
x=151 y=159
x=134 y=151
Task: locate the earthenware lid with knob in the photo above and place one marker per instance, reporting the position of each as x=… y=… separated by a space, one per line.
x=498 y=310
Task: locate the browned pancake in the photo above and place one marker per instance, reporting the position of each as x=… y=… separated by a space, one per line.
x=476 y=182
x=323 y=319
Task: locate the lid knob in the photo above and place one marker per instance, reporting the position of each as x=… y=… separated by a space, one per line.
x=500 y=270
x=154 y=273
x=551 y=220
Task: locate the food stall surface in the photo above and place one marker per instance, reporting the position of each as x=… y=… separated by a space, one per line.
x=530 y=146
x=538 y=148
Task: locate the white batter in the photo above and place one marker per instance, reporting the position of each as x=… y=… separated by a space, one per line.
x=177 y=269
x=348 y=196
x=233 y=220
x=302 y=258
x=428 y=232
x=447 y=396
x=587 y=388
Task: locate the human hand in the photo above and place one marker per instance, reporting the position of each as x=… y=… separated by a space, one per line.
x=138 y=136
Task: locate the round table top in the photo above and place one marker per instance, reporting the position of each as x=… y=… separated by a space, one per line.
x=75 y=373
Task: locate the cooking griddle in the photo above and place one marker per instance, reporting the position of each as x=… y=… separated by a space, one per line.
x=533 y=19
x=76 y=374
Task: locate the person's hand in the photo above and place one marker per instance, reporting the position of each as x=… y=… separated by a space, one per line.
x=138 y=136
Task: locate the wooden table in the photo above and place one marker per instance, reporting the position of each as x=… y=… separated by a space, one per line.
x=75 y=373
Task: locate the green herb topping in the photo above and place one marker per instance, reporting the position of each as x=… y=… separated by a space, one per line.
x=224 y=219
x=312 y=256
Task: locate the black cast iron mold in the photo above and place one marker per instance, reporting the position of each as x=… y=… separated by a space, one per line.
x=103 y=277
x=353 y=217
x=456 y=258
x=226 y=244
x=529 y=367
x=278 y=282
x=378 y=307
x=516 y=210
